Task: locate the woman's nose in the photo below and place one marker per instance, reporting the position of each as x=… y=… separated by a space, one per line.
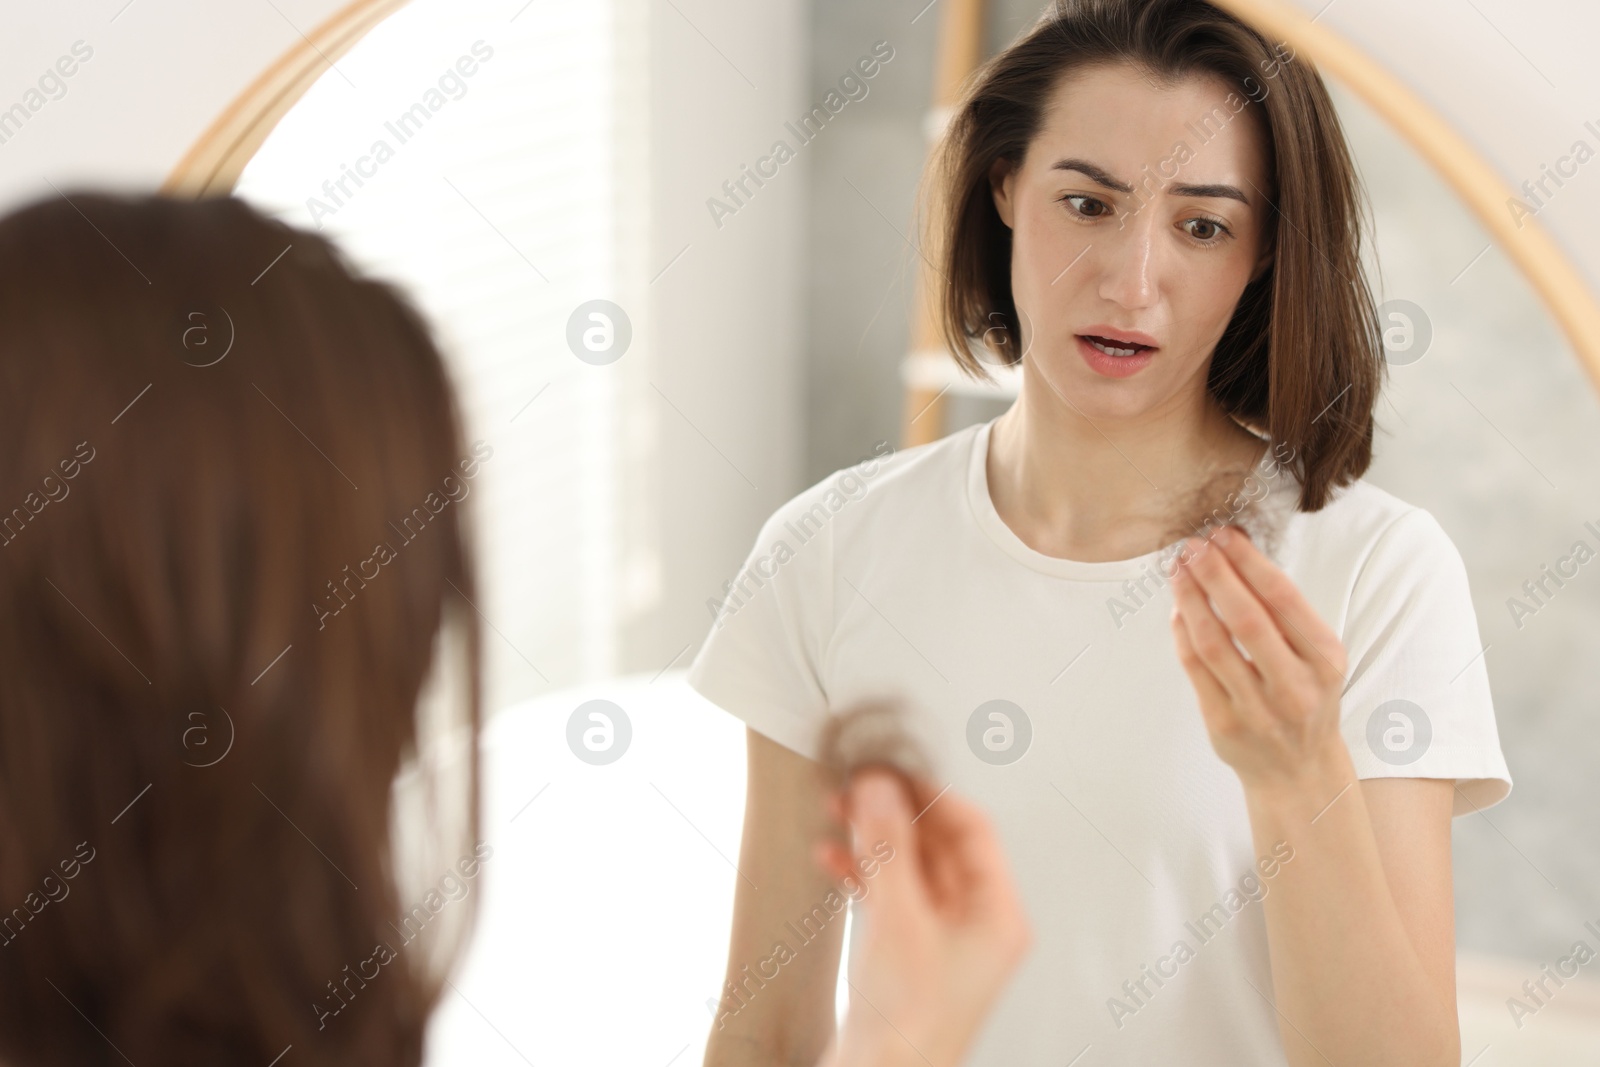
x=1128 y=265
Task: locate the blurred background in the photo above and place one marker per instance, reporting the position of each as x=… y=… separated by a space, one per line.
x=537 y=159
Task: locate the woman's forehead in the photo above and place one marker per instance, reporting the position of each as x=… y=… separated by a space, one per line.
x=1122 y=118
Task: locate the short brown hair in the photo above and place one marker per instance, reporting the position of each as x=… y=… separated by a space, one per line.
x=1302 y=358
x=181 y=525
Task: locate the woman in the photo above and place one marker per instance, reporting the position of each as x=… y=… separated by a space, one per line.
x=1153 y=210
x=233 y=551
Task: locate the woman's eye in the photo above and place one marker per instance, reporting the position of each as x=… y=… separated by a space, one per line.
x=1088 y=206
x=1206 y=230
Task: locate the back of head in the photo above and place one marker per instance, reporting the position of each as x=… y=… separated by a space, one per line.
x=214 y=634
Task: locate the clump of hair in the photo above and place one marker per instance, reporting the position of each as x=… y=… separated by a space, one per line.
x=1254 y=502
x=872 y=733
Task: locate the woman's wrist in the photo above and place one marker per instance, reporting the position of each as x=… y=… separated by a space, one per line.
x=1309 y=789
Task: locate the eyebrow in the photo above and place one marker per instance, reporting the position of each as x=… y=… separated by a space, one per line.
x=1100 y=176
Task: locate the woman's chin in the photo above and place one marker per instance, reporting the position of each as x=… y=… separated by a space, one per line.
x=1096 y=398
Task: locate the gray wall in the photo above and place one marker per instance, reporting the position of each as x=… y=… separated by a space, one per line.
x=861 y=270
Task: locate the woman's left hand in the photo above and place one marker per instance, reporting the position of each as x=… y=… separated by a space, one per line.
x=1274 y=716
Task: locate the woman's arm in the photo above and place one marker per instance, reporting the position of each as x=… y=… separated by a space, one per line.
x=781 y=1007
x=1360 y=926
x=1360 y=923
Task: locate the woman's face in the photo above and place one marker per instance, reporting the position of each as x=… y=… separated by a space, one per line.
x=1137 y=219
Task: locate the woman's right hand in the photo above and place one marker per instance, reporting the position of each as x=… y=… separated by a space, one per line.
x=943 y=925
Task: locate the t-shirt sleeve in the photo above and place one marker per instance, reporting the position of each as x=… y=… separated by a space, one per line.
x=1416 y=702
x=761 y=662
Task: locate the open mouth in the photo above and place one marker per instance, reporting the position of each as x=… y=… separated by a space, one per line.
x=1116 y=348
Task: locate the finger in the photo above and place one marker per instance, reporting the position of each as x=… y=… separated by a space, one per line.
x=881 y=815
x=926 y=793
x=939 y=829
x=941 y=880
x=1215 y=703
x=964 y=840
x=1212 y=642
x=1240 y=609
x=934 y=868
x=1311 y=637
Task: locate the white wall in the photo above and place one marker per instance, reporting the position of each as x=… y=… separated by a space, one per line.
x=1516 y=78
x=159 y=72
x=728 y=328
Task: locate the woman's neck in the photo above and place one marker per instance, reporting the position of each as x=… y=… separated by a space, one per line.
x=1095 y=490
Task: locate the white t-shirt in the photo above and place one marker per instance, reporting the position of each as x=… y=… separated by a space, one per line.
x=1128 y=835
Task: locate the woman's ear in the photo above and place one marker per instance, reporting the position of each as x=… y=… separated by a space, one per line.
x=1002 y=175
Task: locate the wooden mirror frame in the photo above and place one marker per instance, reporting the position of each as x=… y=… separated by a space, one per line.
x=213 y=165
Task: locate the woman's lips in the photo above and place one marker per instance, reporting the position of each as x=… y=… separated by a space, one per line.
x=1114 y=356
x=1119 y=338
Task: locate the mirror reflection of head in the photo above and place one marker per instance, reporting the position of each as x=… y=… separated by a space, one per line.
x=230 y=535
x=1181 y=218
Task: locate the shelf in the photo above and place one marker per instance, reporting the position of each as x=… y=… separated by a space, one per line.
x=935 y=371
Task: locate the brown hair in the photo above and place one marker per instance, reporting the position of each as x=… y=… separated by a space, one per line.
x=208 y=424
x=1302 y=357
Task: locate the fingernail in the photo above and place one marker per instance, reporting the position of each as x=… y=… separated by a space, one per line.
x=875 y=797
